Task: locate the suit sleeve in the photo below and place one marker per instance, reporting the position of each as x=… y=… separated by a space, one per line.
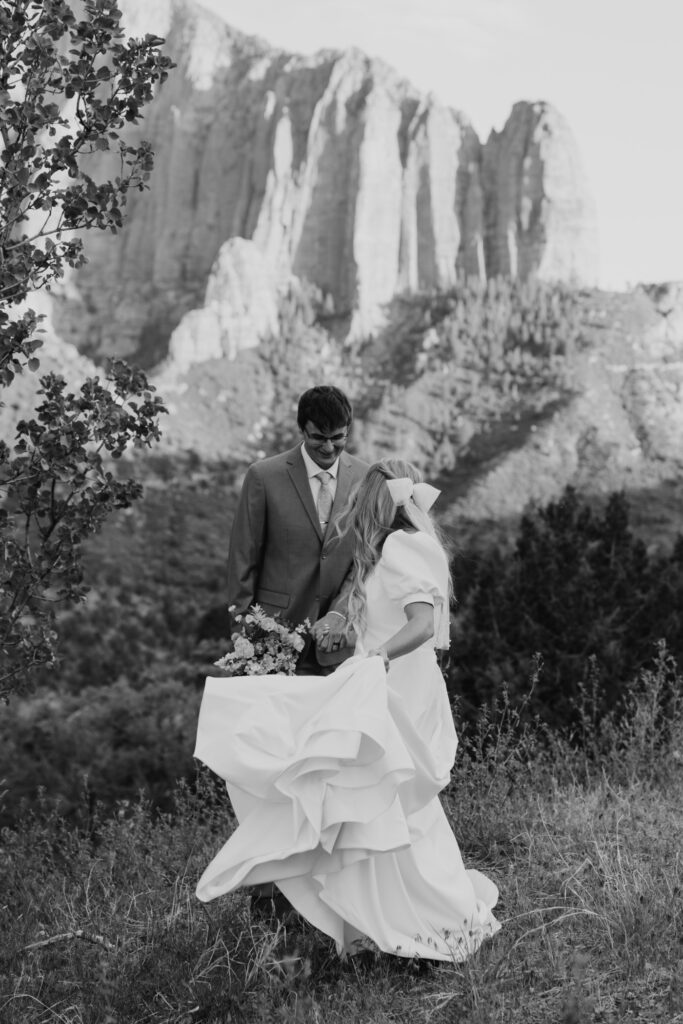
x=247 y=540
x=341 y=601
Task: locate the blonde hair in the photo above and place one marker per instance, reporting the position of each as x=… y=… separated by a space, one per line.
x=371 y=515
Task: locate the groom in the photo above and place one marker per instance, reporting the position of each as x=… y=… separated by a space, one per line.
x=285 y=553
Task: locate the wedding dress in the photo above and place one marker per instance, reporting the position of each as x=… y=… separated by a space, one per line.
x=335 y=779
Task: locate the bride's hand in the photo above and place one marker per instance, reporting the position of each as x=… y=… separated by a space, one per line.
x=380 y=652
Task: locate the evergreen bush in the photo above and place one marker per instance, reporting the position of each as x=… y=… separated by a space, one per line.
x=580 y=590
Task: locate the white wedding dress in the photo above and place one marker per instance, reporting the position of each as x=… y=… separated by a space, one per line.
x=335 y=779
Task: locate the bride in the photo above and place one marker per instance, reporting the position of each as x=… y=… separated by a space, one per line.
x=335 y=779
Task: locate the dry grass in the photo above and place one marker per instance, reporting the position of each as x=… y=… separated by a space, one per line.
x=104 y=928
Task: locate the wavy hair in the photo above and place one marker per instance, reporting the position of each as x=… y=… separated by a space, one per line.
x=371 y=515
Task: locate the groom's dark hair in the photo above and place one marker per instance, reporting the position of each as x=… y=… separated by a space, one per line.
x=326 y=406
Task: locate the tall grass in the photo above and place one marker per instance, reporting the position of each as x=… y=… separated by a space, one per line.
x=101 y=925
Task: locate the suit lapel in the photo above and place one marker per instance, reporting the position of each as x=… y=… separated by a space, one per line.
x=299 y=477
x=343 y=487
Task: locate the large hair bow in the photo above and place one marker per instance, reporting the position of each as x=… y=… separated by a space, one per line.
x=402 y=489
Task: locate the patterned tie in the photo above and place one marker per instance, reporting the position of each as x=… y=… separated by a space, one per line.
x=325 y=498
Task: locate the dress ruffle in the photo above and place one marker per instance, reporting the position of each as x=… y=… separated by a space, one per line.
x=336 y=799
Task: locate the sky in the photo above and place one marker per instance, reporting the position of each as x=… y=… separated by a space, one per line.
x=613 y=69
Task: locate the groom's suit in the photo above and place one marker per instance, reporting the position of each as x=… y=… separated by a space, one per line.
x=278 y=554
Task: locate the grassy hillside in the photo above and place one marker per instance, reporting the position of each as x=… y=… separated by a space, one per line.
x=101 y=924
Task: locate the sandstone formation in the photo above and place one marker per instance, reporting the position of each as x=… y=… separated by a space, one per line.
x=337 y=170
x=272 y=167
x=239 y=309
x=539 y=215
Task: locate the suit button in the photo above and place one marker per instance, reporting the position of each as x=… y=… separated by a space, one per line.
x=324 y=556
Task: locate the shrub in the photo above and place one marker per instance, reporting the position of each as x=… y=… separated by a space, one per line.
x=113 y=741
x=580 y=590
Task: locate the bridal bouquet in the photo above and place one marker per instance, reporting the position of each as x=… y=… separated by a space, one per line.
x=263 y=645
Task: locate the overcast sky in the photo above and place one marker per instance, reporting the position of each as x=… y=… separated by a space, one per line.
x=613 y=68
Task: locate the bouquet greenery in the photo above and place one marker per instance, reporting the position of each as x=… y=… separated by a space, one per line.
x=263 y=645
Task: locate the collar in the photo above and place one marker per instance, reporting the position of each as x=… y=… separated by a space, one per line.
x=312 y=468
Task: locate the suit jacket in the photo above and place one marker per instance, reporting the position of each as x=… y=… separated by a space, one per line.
x=278 y=554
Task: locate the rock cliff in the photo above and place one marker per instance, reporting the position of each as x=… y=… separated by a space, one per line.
x=539 y=215
x=239 y=309
x=272 y=167
x=337 y=171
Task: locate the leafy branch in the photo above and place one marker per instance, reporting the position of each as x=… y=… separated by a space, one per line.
x=57 y=491
x=70 y=90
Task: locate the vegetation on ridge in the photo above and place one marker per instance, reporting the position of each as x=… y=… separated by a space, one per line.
x=479 y=353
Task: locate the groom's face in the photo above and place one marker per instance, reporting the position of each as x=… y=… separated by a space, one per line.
x=324 y=446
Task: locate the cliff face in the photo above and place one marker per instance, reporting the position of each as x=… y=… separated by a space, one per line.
x=335 y=170
x=539 y=215
x=332 y=168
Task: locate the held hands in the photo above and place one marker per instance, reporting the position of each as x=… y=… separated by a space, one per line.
x=329 y=632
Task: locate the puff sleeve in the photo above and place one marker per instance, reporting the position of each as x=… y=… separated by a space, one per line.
x=414 y=568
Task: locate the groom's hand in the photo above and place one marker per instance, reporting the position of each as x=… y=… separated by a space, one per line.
x=329 y=632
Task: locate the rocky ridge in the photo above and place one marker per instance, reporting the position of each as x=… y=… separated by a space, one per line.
x=274 y=169
x=333 y=169
x=618 y=430
x=616 y=426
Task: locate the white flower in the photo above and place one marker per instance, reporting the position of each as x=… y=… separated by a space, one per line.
x=244 y=648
